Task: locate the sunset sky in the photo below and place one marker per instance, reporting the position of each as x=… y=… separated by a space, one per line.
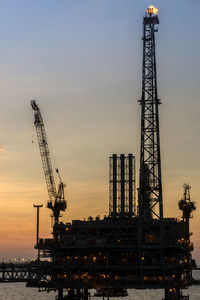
x=81 y=60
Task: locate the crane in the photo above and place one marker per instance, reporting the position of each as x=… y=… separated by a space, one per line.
x=57 y=202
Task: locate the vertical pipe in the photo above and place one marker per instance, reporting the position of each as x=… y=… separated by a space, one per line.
x=114 y=179
x=122 y=181
x=110 y=186
x=37 y=229
x=130 y=183
x=37 y=225
x=134 y=189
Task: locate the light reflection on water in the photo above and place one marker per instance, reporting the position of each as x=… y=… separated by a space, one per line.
x=18 y=291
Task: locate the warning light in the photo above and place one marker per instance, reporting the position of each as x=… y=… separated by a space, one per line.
x=152 y=10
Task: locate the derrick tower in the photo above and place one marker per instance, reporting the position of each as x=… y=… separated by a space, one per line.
x=150 y=181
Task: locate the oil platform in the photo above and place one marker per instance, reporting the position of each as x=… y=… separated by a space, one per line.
x=134 y=247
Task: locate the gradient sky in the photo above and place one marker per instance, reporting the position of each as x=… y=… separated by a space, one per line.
x=81 y=59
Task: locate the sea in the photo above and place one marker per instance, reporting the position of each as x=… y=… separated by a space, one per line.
x=19 y=291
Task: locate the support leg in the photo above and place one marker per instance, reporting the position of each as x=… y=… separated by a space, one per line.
x=86 y=294
x=60 y=294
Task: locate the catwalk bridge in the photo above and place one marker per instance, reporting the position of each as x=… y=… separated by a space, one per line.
x=18 y=272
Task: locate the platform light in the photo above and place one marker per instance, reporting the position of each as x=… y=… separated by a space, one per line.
x=152 y=10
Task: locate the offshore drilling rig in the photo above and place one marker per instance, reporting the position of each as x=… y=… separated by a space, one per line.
x=130 y=248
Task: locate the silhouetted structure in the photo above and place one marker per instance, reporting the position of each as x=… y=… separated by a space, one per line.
x=57 y=202
x=122 y=185
x=125 y=250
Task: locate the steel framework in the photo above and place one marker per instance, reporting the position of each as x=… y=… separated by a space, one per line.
x=19 y=272
x=57 y=202
x=124 y=250
x=122 y=187
x=150 y=189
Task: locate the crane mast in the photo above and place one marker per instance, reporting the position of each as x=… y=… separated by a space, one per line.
x=57 y=202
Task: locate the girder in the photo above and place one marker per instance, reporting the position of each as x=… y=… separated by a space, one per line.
x=18 y=272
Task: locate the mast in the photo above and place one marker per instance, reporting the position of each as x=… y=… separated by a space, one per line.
x=150 y=182
x=150 y=196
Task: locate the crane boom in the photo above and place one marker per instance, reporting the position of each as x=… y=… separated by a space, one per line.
x=44 y=151
x=57 y=201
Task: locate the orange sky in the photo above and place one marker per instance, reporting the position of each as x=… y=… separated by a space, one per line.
x=83 y=65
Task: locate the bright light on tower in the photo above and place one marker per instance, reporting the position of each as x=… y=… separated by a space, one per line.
x=152 y=10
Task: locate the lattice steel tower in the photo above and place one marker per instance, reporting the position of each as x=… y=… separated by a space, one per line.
x=150 y=189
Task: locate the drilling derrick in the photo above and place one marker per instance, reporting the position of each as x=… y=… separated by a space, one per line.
x=56 y=201
x=150 y=192
x=150 y=189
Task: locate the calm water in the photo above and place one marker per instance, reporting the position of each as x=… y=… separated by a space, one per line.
x=18 y=291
